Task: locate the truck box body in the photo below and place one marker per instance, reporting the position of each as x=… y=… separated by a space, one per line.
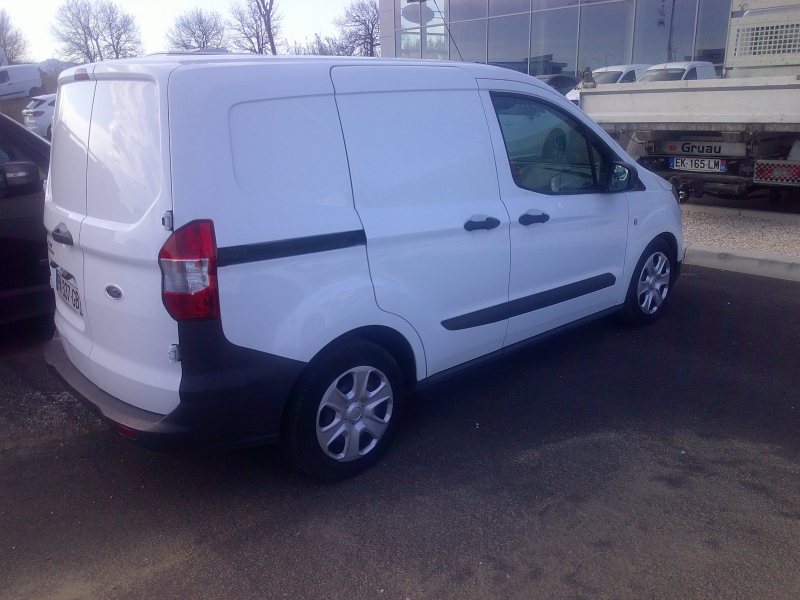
x=748 y=122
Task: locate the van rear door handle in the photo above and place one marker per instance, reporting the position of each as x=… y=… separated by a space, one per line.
x=531 y=217
x=487 y=223
x=62 y=235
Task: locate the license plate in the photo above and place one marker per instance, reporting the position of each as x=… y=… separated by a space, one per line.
x=717 y=165
x=69 y=293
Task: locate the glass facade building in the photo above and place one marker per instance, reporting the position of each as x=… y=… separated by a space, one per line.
x=540 y=37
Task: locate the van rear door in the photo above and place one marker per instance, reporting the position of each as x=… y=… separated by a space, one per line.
x=65 y=209
x=128 y=192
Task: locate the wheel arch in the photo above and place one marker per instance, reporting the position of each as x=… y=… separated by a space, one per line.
x=390 y=340
x=672 y=241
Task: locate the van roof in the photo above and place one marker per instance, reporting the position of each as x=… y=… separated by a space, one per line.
x=172 y=60
x=623 y=68
x=681 y=65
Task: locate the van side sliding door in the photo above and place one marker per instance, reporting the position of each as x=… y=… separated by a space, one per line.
x=425 y=188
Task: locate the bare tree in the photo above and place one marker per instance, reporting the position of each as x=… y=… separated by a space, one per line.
x=197 y=29
x=119 y=32
x=360 y=28
x=95 y=30
x=249 y=29
x=75 y=29
x=11 y=40
x=323 y=46
x=268 y=11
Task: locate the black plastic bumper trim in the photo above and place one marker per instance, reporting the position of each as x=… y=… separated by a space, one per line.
x=520 y=306
x=230 y=396
x=236 y=255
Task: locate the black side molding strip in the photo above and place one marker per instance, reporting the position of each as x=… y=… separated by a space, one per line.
x=520 y=306
x=236 y=255
x=447 y=373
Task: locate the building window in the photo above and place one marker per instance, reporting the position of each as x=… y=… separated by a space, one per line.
x=508 y=42
x=605 y=34
x=406 y=13
x=508 y=7
x=468 y=41
x=554 y=35
x=712 y=31
x=461 y=10
x=407 y=44
x=433 y=41
x=664 y=31
x=544 y=4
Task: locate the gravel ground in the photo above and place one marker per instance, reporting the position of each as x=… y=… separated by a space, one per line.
x=742 y=233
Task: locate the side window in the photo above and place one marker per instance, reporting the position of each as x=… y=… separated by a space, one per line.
x=3 y=76
x=629 y=77
x=548 y=150
x=692 y=74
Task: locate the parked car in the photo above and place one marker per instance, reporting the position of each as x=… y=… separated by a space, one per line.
x=227 y=274
x=38 y=115
x=608 y=75
x=25 y=285
x=20 y=81
x=679 y=71
x=561 y=83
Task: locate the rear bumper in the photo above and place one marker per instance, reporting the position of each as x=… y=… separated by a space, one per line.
x=230 y=396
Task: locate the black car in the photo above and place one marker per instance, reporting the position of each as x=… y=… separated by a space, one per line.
x=25 y=282
x=561 y=83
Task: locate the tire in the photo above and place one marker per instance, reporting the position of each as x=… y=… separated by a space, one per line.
x=651 y=284
x=49 y=135
x=326 y=411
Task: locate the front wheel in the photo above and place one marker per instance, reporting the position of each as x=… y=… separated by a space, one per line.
x=344 y=410
x=651 y=284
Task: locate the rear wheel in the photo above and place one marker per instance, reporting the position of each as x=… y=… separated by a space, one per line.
x=344 y=410
x=651 y=284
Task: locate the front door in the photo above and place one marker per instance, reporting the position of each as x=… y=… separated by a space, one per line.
x=568 y=235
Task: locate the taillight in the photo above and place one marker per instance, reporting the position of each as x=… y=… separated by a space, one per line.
x=189 y=273
x=38 y=113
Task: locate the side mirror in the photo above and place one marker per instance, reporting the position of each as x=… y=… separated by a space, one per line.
x=19 y=176
x=621 y=177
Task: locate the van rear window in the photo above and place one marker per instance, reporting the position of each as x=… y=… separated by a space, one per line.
x=124 y=174
x=70 y=138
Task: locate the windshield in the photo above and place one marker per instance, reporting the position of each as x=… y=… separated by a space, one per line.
x=662 y=75
x=34 y=104
x=606 y=76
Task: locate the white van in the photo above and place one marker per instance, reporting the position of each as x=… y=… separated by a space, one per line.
x=679 y=71
x=608 y=75
x=254 y=249
x=20 y=81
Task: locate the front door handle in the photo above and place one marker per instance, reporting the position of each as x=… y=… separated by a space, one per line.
x=531 y=217
x=62 y=235
x=487 y=223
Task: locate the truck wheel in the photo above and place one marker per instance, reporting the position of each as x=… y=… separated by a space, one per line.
x=650 y=285
x=344 y=410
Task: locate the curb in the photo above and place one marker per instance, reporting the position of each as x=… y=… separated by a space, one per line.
x=743 y=261
x=741 y=212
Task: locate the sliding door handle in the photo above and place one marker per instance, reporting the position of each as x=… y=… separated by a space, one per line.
x=487 y=223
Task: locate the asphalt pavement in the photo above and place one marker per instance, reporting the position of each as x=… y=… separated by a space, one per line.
x=609 y=462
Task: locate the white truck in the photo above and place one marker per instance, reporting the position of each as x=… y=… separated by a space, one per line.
x=724 y=137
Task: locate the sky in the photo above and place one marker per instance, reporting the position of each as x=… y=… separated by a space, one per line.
x=301 y=19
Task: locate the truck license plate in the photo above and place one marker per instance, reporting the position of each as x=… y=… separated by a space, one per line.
x=69 y=293
x=710 y=165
